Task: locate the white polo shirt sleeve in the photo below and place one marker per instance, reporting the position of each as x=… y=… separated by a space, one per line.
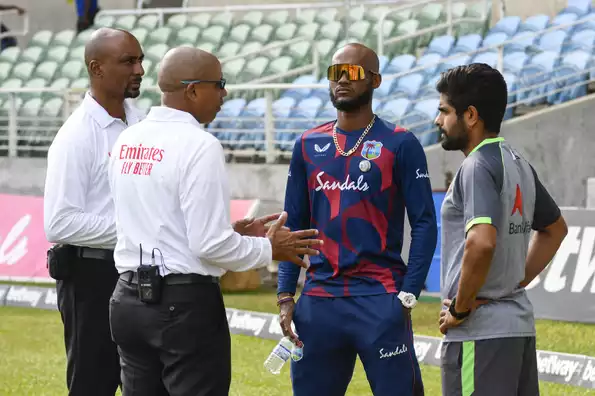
x=70 y=162
x=204 y=200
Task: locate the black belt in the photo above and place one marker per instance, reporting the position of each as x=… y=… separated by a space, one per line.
x=93 y=253
x=172 y=279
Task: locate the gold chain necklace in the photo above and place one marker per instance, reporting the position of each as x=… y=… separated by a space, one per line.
x=359 y=141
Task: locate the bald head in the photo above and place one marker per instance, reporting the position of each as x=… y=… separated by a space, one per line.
x=191 y=80
x=105 y=42
x=114 y=63
x=187 y=63
x=357 y=54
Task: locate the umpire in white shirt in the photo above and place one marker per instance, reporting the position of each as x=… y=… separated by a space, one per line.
x=79 y=211
x=169 y=184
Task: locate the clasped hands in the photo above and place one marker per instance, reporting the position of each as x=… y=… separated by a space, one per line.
x=286 y=245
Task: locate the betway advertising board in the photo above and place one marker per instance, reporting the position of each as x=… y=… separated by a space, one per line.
x=565 y=290
x=577 y=370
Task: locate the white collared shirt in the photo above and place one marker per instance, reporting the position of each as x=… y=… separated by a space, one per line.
x=170 y=189
x=78 y=207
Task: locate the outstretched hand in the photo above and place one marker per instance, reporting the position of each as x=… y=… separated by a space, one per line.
x=292 y=246
x=255 y=227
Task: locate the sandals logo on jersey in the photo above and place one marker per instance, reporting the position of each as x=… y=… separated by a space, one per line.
x=524 y=227
x=371 y=149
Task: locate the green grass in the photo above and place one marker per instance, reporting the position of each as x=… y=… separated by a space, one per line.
x=32 y=359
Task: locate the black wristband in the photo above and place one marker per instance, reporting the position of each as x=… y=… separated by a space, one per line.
x=454 y=313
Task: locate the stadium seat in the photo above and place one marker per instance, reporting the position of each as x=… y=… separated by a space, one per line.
x=552 y=41
x=407 y=86
x=428 y=89
x=188 y=34
x=534 y=23
x=23 y=71
x=126 y=22
x=578 y=7
x=299 y=94
x=31 y=54
x=489 y=58
x=535 y=77
x=494 y=40
x=5 y=69
x=262 y=34
x=10 y=54
x=400 y=64
x=583 y=40
x=454 y=62
x=570 y=78
x=177 y=21
x=149 y=22
x=394 y=110
x=47 y=70
x=441 y=45
x=523 y=41
x=515 y=61
x=430 y=63
x=277 y=18
x=467 y=43
x=565 y=19
x=511 y=86
x=201 y=20
x=226 y=119
x=507 y=25
x=239 y=33
x=254 y=69
x=287 y=32
x=65 y=38
x=58 y=54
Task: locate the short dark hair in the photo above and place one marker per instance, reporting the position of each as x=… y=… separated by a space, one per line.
x=477 y=85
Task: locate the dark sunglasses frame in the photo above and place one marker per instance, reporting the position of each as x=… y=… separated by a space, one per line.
x=220 y=83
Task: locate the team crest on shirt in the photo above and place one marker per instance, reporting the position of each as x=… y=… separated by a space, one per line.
x=371 y=149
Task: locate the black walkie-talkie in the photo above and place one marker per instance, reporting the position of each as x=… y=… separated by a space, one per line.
x=149 y=281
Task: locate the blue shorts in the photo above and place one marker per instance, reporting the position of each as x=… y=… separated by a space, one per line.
x=336 y=330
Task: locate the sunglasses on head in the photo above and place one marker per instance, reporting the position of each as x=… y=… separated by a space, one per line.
x=219 y=83
x=353 y=72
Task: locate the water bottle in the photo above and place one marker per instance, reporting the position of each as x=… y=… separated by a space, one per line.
x=280 y=354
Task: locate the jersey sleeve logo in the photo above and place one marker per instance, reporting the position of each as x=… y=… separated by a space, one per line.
x=371 y=149
x=518 y=201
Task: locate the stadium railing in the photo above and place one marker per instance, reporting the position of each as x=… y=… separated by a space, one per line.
x=394 y=7
x=447 y=26
x=267 y=136
x=23 y=31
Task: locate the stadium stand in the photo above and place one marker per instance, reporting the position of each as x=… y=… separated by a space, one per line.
x=546 y=61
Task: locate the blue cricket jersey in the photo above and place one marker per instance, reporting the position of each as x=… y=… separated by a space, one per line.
x=359 y=211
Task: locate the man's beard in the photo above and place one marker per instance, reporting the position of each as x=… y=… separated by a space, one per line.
x=352 y=104
x=131 y=94
x=455 y=141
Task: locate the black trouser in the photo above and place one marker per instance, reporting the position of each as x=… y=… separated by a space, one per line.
x=93 y=367
x=179 y=347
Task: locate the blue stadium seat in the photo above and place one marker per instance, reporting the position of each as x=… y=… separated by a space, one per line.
x=256 y=108
x=382 y=63
x=441 y=45
x=511 y=85
x=230 y=109
x=578 y=7
x=384 y=89
x=430 y=62
x=420 y=121
x=301 y=93
x=515 y=61
x=400 y=64
x=553 y=41
x=583 y=40
x=322 y=93
x=302 y=118
x=327 y=113
x=394 y=110
x=588 y=24
x=494 y=39
x=282 y=111
x=467 y=43
x=534 y=23
x=508 y=25
x=563 y=19
x=535 y=77
x=489 y=58
x=458 y=61
x=376 y=104
x=523 y=41
x=407 y=86
x=428 y=90
x=570 y=78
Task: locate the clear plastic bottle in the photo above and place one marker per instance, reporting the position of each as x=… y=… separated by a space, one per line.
x=280 y=354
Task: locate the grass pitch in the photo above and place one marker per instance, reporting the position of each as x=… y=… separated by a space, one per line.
x=32 y=358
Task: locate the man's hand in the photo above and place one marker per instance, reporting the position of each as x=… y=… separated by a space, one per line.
x=286 y=317
x=289 y=246
x=447 y=321
x=255 y=227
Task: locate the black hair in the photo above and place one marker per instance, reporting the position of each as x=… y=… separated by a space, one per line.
x=477 y=85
